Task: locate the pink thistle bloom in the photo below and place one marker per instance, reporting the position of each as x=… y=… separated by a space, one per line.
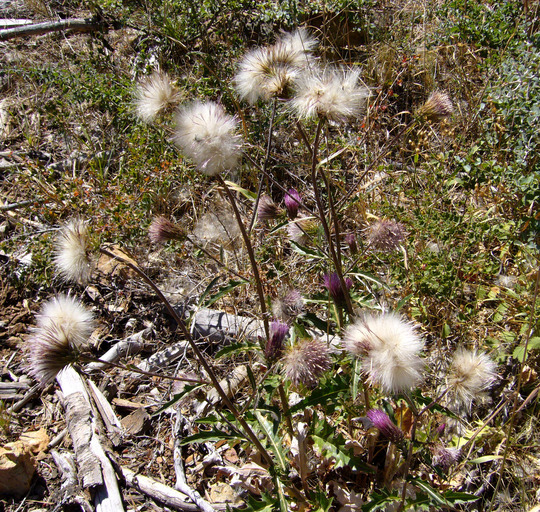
x=274 y=346
x=333 y=285
x=292 y=203
x=384 y=424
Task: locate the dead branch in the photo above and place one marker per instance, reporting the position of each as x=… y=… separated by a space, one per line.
x=73 y=24
x=157 y=491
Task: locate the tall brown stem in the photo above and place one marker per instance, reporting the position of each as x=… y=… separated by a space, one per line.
x=249 y=248
x=322 y=215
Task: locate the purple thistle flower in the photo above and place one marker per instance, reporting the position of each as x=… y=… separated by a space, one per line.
x=292 y=203
x=333 y=285
x=274 y=346
x=384 y=424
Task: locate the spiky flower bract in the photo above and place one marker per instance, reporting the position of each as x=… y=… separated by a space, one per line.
x=269 y=71
x=437 y=107
x=333 y=285
x=333 y=93
x=162 y=230
x=385 y=235
x=306 y=361
x=443 y=456
x=63 y=327
x=73 y=252
x=292 y=201
x=288 y=306
x=301 y=229
x=205 y=133
x=274 y=346
x=469 y=375
x=389 y=349
x=384 y=424
x=267 y=209
x=154 y=95
x=350 y=238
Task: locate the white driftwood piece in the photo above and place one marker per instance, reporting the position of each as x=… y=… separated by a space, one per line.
x=163 y=493
x=220 y=327
x=125 y=348
x=94 y=468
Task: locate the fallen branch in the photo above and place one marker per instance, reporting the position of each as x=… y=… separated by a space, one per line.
x=73 y=24
x=158 y=491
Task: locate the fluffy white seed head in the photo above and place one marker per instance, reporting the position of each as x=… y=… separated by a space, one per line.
x=205 y=133
x=469 y=375
x=154 y=95
x=268 y=72
x=389 y=349
x=63 y=327
x=334 y=93
x=73 y=257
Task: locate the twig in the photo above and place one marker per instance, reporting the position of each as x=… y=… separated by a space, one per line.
x=15 y=206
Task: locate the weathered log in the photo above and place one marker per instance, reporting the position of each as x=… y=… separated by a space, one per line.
x=94 y=467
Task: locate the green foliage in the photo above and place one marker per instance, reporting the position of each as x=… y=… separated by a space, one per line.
x=487 y=24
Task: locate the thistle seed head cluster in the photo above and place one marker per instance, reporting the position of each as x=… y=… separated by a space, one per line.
x=154 y=95
x=62 y=328
x=268 y=72
x=306 y=361
x=267 y=209
x=162 y=230
x=470 y=374
x=444 y=457
x=289 y=305
x=332 y=93
x=389 y=349
x=437 y=107
x=73 y=257
x=206 y=134
x=385 y=235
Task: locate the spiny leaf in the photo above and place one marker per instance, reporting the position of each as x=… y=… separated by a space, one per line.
x=211 y=435
x=272 y=434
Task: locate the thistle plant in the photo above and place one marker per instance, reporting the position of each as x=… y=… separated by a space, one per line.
x=313 y=362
